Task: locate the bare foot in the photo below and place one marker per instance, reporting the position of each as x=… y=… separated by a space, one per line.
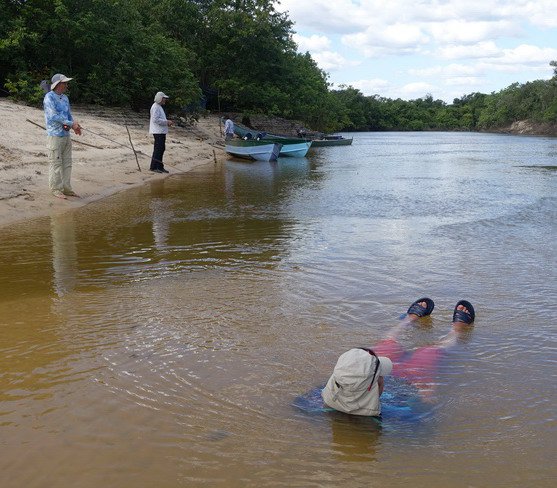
x=60 y=195
x=413 y=316
x=464 y=313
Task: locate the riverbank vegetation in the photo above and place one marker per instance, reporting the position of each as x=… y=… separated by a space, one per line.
x=221 y=55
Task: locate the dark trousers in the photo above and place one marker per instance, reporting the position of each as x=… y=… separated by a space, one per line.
x=158 y=152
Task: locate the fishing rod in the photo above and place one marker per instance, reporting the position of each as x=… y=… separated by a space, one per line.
x=78 y=142
x=119 y=144
x=103 y=137
x=135 y=152
x=140 y=152
x=108 y=138
x=123 y=145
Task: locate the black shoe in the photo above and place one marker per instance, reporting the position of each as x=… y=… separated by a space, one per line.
x=156 y=170
x=164 y=171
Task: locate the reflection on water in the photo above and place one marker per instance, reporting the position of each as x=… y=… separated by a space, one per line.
x=161 y=336
x=64 y=253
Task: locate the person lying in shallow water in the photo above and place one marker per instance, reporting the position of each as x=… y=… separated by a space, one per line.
x=357 y=382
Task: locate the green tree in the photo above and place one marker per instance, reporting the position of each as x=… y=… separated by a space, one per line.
x=115 y=58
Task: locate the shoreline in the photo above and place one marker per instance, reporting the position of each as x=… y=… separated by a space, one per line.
x=101 y=167
x=105 y=163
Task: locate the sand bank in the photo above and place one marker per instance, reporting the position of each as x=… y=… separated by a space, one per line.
x=98 y=171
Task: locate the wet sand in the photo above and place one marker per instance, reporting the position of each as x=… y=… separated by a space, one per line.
x=98 y=171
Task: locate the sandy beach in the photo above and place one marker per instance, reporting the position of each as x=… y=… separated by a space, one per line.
x=101 y=167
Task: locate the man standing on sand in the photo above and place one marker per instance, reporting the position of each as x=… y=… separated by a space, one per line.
x=228 y=128
x=158 y=126
x=59 y=121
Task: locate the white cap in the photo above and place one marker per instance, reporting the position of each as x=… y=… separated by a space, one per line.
x=59 y=78
x=159 y=96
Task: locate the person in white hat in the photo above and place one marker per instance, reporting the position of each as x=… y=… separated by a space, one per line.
x=59 y=121
x=158 y=126
x=357 y=382
x=228 y=128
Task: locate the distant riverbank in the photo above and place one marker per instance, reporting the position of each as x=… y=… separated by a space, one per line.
x=277 y=125
x=527 y=127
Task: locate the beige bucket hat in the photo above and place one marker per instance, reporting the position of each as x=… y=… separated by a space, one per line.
x=353 y=387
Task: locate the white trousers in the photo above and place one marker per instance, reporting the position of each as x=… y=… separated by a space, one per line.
x=60 y=157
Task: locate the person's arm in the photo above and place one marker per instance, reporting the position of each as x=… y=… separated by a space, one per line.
x=74 y=125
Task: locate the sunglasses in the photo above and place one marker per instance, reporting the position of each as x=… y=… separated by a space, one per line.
x=377 y=363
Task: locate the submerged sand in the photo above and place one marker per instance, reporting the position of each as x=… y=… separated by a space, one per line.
x=104 y=166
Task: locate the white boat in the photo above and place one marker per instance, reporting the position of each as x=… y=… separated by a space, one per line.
x=255 y=150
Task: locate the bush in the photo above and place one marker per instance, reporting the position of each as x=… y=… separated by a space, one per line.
x=25 y=87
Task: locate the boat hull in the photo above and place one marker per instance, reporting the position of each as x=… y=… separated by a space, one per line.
x=254 y=150
x=297 y=150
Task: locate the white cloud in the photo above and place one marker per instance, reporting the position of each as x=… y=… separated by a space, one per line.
x=464 y=81
x=399 y=38
x=447 y=71
x=312 y=43
x=465 y=32
x=417 y=89
x=332 y=61
x=541 y=13
x=469 y=51
x=349 y=16
x=527 y=55
x=484 y=44
x=323 y=15
x=372 y=86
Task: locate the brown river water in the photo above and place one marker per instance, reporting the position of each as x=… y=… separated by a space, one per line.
x=163 y=336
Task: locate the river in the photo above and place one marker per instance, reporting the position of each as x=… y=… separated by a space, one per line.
x=162 y=336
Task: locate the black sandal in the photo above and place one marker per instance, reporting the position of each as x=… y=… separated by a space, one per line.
x=419 y=310
x=461 y=315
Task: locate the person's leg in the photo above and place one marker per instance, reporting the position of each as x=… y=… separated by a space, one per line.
x=158 y=152
x=55 y=183
x=422 y=367
x=153 y=165
x=463 y=317
x=390 y=346
x=66 y=152
x=162 y=149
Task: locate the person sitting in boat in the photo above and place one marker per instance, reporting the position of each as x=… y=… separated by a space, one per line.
x=357 y=382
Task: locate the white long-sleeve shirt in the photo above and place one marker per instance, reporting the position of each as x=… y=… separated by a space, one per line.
x=158 y=123
x=229 y=127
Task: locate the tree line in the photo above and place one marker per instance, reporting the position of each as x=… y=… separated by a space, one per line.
x=236 y=55
x=535 y=101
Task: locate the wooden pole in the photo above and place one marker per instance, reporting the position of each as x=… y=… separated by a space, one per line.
x=133 y=149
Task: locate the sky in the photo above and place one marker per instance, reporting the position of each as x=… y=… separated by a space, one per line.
x=409 y=49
